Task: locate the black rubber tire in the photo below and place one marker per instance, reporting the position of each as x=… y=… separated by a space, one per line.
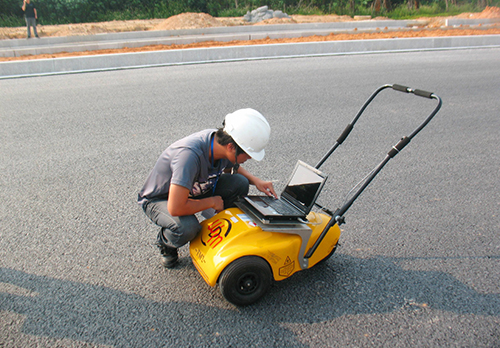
x=245 y=280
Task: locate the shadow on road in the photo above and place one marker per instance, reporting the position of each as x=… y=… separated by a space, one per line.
x=65 y=309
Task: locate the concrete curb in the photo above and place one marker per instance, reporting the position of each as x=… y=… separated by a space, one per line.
x=457 y=22
x=141 y=35
x=50 y=45
x=93 y=63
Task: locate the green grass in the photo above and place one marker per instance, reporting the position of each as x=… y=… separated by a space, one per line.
x=165 y=10
x=11 y=21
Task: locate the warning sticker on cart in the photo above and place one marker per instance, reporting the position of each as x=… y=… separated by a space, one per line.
x=245 y=218
x=288 y=268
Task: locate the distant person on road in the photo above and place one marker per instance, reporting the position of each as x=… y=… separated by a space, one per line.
x=201 y=172
x=30 y=16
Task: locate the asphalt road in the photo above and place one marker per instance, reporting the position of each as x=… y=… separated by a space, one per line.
x=419 y=264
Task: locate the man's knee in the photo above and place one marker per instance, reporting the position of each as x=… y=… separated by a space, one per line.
x=179 y=234
x=242 y=184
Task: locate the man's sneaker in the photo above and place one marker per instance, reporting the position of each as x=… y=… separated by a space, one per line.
x=169 y=256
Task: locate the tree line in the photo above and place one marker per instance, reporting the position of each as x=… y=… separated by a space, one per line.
x=84 y=11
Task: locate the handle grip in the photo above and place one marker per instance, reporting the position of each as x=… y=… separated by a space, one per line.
x=401 y=88
x=422 y=93
x=417 y=92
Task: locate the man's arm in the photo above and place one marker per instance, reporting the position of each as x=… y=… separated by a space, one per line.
x=24 y=6
x=261 y=185
x=179 y=203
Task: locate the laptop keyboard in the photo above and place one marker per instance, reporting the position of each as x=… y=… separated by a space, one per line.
x=279 y=206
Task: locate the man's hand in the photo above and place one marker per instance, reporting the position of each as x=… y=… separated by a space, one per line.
x=261 y=185
x=266 y=187
x=218 y=203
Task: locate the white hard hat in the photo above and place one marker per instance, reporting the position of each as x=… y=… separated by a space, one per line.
x=250 y=130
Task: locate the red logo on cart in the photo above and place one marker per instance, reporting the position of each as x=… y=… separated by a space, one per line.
x=217 y=231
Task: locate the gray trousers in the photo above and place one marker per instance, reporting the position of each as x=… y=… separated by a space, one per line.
x=31 y=22
x=179 y=230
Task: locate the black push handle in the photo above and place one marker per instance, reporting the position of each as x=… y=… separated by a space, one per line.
x=350 y=126
x=338 y=216
x=405 y=140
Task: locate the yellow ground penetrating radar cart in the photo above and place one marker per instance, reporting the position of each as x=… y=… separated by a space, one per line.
x=243 y=253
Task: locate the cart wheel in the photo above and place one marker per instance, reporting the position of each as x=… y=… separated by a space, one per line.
x=245 y=280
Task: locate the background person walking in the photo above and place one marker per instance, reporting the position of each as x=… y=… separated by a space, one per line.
x=30 y=16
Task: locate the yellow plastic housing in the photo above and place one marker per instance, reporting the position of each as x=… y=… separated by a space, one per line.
x=231 y=234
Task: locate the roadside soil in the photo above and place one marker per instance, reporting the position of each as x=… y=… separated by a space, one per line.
x=431 y=27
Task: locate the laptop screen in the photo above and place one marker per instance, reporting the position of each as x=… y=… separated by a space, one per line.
x=304 y=186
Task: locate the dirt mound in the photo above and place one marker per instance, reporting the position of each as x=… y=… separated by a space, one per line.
x=488 y=12
x=189 y=21
x=276 y=21
x=320 y=19
x=84 y=29
x=81 y=28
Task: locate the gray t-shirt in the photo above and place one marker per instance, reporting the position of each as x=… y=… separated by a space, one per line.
x=185 y=163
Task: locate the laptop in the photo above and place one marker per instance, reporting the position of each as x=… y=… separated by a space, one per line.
x=296 y=200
